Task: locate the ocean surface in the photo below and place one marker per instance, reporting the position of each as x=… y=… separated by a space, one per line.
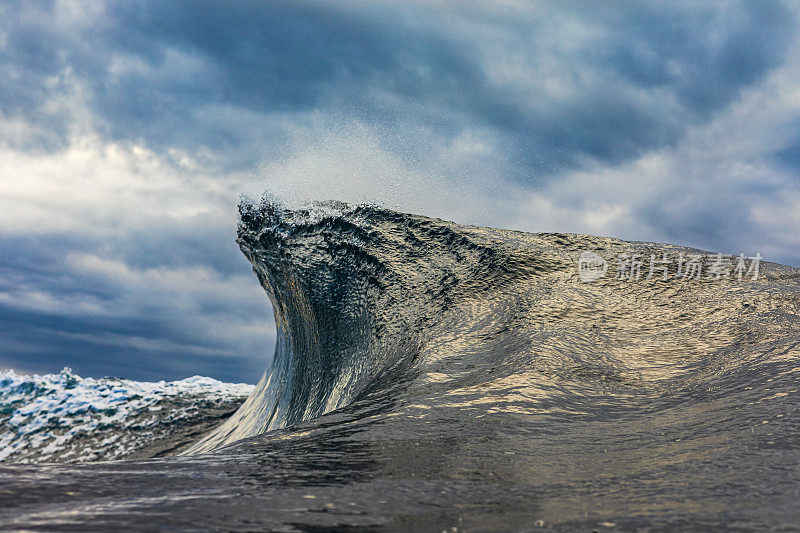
x=436 y=377
x=65 y=418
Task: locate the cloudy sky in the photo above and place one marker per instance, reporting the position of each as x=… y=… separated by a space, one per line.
x=128 y=131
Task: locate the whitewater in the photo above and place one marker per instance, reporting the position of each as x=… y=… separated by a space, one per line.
x=434 y=376
x=66 y=418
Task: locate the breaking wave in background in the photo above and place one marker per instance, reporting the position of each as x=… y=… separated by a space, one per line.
x=66 y=418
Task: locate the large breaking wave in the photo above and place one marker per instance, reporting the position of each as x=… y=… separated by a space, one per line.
x=368 y=300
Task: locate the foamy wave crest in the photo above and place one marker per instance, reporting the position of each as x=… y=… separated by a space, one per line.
x=66 y=418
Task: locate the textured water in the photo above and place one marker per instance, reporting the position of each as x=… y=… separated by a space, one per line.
x=66 y=418
x=431 y=376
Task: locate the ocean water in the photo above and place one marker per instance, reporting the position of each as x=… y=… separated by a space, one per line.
x=66 y=418
x=436 y=377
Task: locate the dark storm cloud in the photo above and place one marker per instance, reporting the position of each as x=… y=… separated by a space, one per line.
x=53 y=311
x=37 y=342
x=706 y=54
x=221 y=74
x=789 y=156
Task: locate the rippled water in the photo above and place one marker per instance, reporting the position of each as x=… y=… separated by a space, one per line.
x=431 y=376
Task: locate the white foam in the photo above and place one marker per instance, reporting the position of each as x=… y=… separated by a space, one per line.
x=67 y=417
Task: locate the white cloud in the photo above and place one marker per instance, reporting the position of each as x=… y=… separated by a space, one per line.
x=96 y=186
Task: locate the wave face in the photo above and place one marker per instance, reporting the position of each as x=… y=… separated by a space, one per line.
x=369 y=301
x=66 y=418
